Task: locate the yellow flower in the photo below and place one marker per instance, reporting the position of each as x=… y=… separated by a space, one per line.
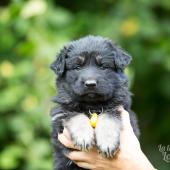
x=29 y=103
x=129 y=27
x=5 y=15
x=6 y=69
x=33 y=8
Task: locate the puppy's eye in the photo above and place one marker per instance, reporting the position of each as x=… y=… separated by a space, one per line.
x=77 y=68
x=98 y=60
x=104 y=67
x=81 y=60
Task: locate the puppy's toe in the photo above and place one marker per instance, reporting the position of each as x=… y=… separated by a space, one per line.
x=108 y=151
x=84 y=144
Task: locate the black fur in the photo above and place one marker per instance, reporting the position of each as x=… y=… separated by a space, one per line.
x=89 y=58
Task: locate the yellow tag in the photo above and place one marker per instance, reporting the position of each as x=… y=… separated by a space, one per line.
x=94 y=119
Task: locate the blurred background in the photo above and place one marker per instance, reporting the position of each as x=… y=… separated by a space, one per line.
x=31 y=34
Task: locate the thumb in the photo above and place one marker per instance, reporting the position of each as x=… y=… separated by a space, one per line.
x=127 y=135
x=125 y=119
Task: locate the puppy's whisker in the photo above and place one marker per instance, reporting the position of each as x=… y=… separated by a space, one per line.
x=69 y=163
x=90 y=112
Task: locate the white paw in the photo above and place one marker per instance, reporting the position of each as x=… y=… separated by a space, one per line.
x=82 y=134
x=107 y=135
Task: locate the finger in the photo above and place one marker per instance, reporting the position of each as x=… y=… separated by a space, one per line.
x=65 y=141
x=84 y=165
x=78 y=156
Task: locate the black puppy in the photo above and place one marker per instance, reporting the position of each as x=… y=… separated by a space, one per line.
x=90 y=79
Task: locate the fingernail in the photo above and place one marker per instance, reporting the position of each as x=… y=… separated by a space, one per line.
x=120 y=108
x=60 y=136
x=66 y=133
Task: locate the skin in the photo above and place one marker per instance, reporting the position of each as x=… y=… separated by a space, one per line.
x=129 y=155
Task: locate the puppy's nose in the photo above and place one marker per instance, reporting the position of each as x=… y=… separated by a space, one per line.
x=90 y=83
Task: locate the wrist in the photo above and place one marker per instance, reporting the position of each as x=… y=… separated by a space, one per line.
x=144 y=163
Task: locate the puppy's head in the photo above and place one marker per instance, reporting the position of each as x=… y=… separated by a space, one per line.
x=91 y=69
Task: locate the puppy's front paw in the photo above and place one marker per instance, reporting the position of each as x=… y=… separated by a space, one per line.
x=82 y=134
x=107 y=135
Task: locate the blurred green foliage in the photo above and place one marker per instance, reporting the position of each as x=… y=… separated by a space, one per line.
x=31 y=33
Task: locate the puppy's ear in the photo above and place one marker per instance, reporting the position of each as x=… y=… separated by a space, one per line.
x=121 y=59
x=58 y=66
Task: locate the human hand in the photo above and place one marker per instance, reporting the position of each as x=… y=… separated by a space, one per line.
x=129 y=155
